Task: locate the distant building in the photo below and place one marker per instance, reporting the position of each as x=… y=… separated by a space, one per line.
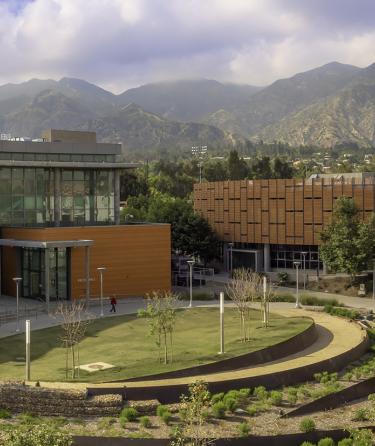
x=60 y=221
x=272 y=222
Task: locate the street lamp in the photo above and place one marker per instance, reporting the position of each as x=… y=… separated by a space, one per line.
x=231 y=244
x=304 y=253
x=297 y=265
x=17 y=280
x=191 y=264
x=101 y=270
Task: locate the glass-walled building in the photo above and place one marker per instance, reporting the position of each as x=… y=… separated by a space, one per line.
x=60 y=221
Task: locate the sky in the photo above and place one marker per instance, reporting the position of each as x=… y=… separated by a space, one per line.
x=119 y=44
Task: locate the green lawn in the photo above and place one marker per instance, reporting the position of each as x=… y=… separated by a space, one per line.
x=124 y=342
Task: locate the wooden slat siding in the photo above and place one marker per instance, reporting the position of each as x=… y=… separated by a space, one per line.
x=280 y=211
x=137 y=257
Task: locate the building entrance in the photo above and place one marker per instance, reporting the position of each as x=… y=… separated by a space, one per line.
x=33 y=273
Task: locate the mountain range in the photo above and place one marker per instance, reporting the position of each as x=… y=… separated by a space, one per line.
x=326 y=106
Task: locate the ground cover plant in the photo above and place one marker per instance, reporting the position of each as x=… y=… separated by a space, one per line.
x=124 y=342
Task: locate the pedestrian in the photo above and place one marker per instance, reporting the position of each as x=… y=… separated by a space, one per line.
x=113 y=304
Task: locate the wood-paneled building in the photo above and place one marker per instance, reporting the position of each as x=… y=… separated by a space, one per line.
x=272 y=223
x=60 y=221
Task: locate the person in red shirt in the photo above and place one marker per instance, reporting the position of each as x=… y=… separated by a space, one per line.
x=113 y=305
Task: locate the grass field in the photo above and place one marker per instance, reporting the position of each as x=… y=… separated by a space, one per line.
x=124 y=342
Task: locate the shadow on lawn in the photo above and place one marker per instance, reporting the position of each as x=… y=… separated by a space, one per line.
x=46 y=339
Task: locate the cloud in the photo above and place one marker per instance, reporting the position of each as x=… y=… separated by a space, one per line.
x=123 y=43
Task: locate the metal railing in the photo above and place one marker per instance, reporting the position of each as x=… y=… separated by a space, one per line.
x=25 y=312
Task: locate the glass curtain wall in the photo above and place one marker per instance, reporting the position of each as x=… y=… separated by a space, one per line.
x=27 y=196
x=33 y=273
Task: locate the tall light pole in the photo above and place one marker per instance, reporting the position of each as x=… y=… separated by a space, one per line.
x=199 y=152
x=18 y=281
x=231 y=244
x=221 y=323
x=304 y=253
x=191 y=264
x=297 y=265
x=101 y=270
x=27 y=350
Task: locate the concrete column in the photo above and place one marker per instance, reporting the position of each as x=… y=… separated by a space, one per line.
x=57 y=197
x=117 y=196
x=267 y=257
x=46 y=277
x=87 y=272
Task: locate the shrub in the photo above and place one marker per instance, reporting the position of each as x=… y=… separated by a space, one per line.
x=40 y=434
x=166 y=417
x=284 y=298
x=292 y=399
x=230 y=404
x=343 y=312
x=218 y=409
x=244 y=429
x=318 y=302
x=217 y=397
x=245 y=393
x=307 y=443
x=326 y=442
x=129 y=414
x=252 y=410
x=260 y=393
x=371 y=397
x=345 y=442
x=123 y=422
x=276 y=398
x=361 y=414
x=307 y=425
x=161 y=409
x=5 y=414
x=145 y=421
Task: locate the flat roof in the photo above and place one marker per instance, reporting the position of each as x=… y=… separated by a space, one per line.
x=45 y=244
x=79 y=148
x=69 y=164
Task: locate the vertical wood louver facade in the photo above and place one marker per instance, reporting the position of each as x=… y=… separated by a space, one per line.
x=278 y=211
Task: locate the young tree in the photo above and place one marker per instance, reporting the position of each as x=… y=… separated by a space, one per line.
x=194 y=408
x=161 y=312
x=74 y=328
x=348 y=243
x=244 y=288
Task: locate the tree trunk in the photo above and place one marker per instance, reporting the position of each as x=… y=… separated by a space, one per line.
x=165 y=350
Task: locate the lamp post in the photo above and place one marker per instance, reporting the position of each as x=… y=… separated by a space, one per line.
x=297 y=265
x=18 y=280
x=221 y=323
x=304 y=253
x=101 y=270
x=230 y=244
x=191 y=264
x=27 y=371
